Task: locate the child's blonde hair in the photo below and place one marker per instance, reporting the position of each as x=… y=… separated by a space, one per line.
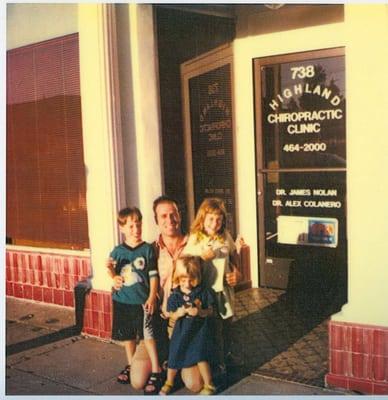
x=212 y=205
x=192 y=270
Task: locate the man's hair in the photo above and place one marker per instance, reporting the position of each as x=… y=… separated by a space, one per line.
x=163 y=199
x=192 y=269
x=128 y=212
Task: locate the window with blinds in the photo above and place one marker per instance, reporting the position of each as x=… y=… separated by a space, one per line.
x=46 y=202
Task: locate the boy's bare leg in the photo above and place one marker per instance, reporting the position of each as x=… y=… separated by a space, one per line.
x=130 y=348
x=150 y=345
x=192 y=378
x=204 y=369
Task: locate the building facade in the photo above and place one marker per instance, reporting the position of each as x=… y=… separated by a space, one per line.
x=280 y=111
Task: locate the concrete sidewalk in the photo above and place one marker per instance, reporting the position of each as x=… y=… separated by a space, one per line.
x=45 y=356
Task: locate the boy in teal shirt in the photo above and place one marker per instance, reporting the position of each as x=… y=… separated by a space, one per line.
x=132 y=266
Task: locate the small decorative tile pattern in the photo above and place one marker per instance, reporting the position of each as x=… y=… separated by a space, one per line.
x=358 y=357
x=49 y=278
x=273 y=337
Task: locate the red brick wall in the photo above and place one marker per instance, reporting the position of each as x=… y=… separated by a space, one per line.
x=358 y=357
x=49 y=278
x=98 y=314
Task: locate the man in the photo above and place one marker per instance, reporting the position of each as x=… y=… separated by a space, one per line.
x=169 y=246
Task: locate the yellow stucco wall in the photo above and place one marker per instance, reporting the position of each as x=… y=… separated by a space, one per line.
x=367 y=139
x=367 y=147
x=32 y=23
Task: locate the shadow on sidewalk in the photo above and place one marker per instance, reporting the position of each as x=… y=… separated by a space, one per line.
x=53 y=337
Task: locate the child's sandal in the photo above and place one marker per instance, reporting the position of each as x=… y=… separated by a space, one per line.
x=124 y=376
x=208 y=390
x=154 y=384
x=166 y=388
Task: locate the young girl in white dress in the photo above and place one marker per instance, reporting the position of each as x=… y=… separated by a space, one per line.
x=210 y=240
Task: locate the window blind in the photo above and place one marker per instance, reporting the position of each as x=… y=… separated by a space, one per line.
x=46 y=190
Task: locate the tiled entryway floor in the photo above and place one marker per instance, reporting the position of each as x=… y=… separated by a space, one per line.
x=281 y=335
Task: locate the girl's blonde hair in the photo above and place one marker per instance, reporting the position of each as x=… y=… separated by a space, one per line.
x=212 y=205
x=192 y=269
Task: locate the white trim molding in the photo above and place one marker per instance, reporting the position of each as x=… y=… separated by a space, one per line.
x=101 y=132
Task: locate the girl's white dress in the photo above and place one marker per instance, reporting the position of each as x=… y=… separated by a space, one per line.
x=213 y=273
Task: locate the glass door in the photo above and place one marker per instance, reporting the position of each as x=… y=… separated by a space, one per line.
x=300 y=107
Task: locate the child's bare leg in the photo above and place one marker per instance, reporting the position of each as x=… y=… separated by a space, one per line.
x=168 y=385
x=152 y=352
x=171 y=374
x=192 y=378
x=130 y=348
x=205 y=372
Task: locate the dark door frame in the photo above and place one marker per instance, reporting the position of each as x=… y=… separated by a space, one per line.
x=258 y=63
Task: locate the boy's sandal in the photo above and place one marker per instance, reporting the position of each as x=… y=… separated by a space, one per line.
x=166 y=388
x=124 y=376
x=154 y=384
x=208 y=390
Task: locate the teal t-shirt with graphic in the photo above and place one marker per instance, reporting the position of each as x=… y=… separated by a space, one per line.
x=137 y=265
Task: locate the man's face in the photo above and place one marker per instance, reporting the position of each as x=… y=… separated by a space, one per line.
x=168 y=219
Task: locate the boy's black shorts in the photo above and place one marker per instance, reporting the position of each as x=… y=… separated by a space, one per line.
x=131 y=322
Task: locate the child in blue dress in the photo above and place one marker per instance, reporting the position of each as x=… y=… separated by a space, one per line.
x=191 y=342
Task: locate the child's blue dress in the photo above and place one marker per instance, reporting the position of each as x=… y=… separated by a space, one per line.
x=192 y=337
